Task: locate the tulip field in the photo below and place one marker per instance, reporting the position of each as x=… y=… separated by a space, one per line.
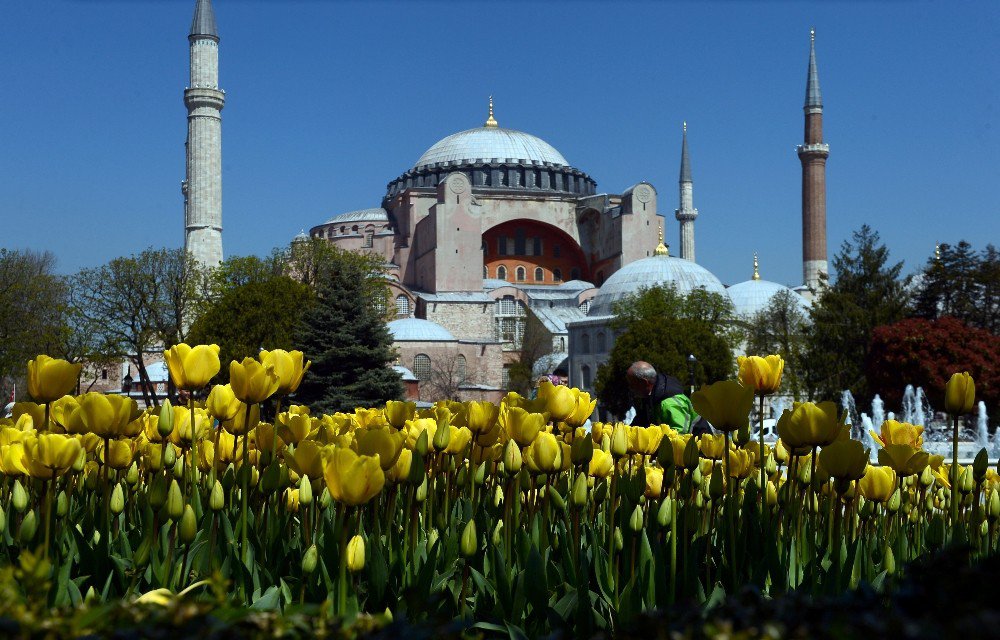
x=511 y=517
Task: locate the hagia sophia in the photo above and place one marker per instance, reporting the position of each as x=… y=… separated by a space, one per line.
x=493 y=235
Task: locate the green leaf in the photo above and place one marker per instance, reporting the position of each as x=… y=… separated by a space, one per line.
x=269 y=601
x=535 y=584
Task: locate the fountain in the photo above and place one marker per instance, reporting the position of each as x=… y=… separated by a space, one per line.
x=847 y=403
x=878 y=411
x=983 y=430
x=866 y=436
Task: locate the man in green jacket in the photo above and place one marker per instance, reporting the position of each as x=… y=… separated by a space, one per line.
x=660 y=399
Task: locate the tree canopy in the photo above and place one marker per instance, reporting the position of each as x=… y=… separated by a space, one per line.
x=781 y=329
x=960 y=282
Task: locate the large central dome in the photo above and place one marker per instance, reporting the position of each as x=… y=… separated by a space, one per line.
x=491 y=144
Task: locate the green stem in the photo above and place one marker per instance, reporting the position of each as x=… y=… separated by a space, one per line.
x=245 y=490
x=954 y=479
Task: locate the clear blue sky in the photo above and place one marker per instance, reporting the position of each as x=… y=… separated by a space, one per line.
x=328 y=101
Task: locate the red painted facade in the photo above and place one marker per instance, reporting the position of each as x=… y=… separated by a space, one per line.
x=542 y=253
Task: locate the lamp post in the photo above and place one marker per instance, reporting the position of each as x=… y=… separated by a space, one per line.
x=691 y=361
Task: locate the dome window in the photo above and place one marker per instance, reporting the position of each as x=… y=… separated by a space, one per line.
x=501 y=272
x=557 y=274
x=422 y=366
x=539 y=274
x=521 y=274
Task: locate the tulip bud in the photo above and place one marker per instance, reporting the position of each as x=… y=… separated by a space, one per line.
x=422 y=491
x=169 y=455
x=965 y=481
x=619 y=441
x=665 y=454
x=665 y=513
x=894 y=500
x=772 y=494
x=175 y=501
x=635 y=520
x=479 y=477
x=3 y=520
x=217 y=499
x=914 y=516
x=132 y=476
x=309 y=560
x=511 y=458
x=771 y=466
x=19 y=497
x=866 y=510
x=188 y=527
x=691 y=453
x=716 y=489
x=305 y=491
x=178 y=470
x=117 y=500
x=80 y=462
x=993 y=506
x=497 y=496
x=325 y=499
x=165 y=425
x=421 y=446
x=498 y=534
x=470 y=542
x=743 y=435
x=699 y=500
x=805 y=474
x=889 y=561
x=927 y=476
x=28 y=528
x=606 y=442
x=556 y=498
x=442 y=436
x=696 y=476
x=984 y=528
x=432 y=538
x=157 y=494
x=578 y=496
x=619 y=541
x=356 y=554
x=141 y=555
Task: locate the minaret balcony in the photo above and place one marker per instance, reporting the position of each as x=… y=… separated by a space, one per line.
x=685 y=214
x=821 y=149
x=204 y=97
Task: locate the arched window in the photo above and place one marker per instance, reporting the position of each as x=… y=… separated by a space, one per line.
x=584 y=306
x=562 y=345
x=422 y=366
x=501 y=272
x=557 y=275
x=585 y=378
x=574 y=274
x=585 y=343
x=460 y=365
x=380 y=304
x=402 y=306
x=510 y=319
x=521 y=274
x=369 y=239
x=602 y=345
x=539 y=274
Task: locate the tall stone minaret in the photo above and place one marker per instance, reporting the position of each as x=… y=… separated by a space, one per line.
x=202 y=187
x=687 y=213
x=813 y=154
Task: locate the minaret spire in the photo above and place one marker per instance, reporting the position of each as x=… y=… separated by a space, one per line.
x=686 y=213
x=202 y=187
x=813 y=154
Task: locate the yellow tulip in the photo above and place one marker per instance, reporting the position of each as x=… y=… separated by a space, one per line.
x=265 y=439
x=356 y=554
x=192 y=367
x=413 y=429
x=352 y=479
x=878 y=483
x=584 y=409
x=50 y=454
x=894 y=432
x=654 y=482
x=289 y=366
x=480 y=416
x=60 y=410
x=959 y=394
x=545 y=454
x=36 y=412
x=306 y=459
x=712 y=446
x=844 y=459
x=809 y=425
x=560 y=401
x=292 y=500
x=460 y=439
x=12 y=459
x=222 y=403
x=294 y=427
x=51 y=378
x=401 y=470
x=252 y=381
x=678 y=443
x=103 y=416
x=763 y=375
x=740 y=463
x=366 y=418
x=643 y=440
x=397 y=412
x=10 y=435
x=726 y=404
x=119 y=454
x=521 y=425
x=183 y=433
x=384 y=442
x=904 y=459
x=601 y=464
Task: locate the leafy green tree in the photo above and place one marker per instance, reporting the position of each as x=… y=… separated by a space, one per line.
x=344 y=333
x=704 y=307
x=868 y=292
x=243 y=319
x=781 y=329
x=962 y=283
x=665 y=343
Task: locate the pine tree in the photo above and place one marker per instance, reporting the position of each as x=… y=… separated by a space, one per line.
x=344 y=334
x=867 y=293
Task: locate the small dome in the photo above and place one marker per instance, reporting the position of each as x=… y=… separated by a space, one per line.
x=405 y=374
x=484 y=144
x=650 y=272
x=576 y=285
x=376 y=214
x=755 y=295
x=417 y=330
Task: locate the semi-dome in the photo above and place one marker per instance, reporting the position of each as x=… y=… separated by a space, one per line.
x=491 y=144
x=753 y=296
x=651 y=272
x=374 y=214
x=418 y=330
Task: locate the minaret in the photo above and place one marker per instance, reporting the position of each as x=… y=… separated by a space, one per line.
x=202 y=187
x=813 y=154
x=687 y=213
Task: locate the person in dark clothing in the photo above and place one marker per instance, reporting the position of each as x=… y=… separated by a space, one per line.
x=660 y=399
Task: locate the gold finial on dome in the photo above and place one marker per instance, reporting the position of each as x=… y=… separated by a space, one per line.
x=661 y=249
x=756 y=267
x=491 y=121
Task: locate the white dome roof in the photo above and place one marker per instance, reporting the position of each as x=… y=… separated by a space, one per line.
x=651 y=272
x=755 y=295
x=376 y=214
x=417 y=330
x=484 y=144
